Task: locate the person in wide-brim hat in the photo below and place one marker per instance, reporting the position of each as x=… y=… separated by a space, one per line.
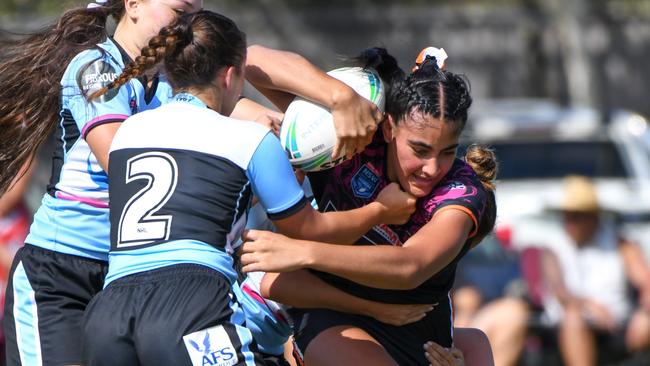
x=580 y=209
x=579 y=195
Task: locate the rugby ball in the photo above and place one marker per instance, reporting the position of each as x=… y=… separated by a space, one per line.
x=308 y=135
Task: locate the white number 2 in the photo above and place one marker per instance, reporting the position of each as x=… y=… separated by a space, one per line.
x=139 y=223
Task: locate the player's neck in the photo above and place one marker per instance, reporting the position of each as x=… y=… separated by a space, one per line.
x=208 y=96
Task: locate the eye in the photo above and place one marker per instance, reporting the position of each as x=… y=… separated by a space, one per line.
x=179 y=11
x=420 y=152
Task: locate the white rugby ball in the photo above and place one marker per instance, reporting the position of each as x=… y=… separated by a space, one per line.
x=308 y=135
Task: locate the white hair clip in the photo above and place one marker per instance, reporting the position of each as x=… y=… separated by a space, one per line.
x=438 y=53
x=96 y=4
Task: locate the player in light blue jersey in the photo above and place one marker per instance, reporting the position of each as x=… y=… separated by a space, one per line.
x=45 y=81
x=181 y=180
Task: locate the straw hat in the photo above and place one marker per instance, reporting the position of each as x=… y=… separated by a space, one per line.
x=579 y=195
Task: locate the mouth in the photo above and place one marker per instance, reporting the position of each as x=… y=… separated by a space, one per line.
x=422 y=182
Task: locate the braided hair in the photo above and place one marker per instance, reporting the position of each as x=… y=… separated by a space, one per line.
x=194 y=48
x=431 y=91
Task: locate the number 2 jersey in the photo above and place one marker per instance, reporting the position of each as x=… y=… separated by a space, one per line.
x=181 y=180
x=73 y=217
x=357 y=182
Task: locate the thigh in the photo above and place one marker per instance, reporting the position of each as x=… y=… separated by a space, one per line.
x=46 y=298
x=404 y=344
x=353 y=347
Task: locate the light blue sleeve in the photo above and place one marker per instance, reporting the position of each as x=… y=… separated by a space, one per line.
x=273 y=180
x=88 y=72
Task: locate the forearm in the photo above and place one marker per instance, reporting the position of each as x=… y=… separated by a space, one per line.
x=302 y=289
x=636 y=267
x=552 y=274
x=381 y=266
x=343 y=227
x=336 y=227
x=276 y=70
x=249 y=110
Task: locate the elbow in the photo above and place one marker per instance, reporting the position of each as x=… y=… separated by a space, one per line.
x=410 y=277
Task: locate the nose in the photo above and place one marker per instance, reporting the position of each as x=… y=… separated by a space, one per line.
x=431 y=167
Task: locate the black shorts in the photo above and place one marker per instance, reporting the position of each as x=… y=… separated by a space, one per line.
x=184 y=314
x=274 y=360
x=46 y=297
x=404 y=344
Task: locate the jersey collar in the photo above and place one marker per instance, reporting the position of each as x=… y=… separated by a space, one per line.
x=189 y=98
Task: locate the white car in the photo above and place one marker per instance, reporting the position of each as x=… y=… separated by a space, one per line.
x=538 y=142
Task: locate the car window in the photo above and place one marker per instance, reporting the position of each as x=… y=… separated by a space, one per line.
x=535 y=160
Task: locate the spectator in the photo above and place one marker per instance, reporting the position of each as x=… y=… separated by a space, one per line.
x=487 y=296
x=586 y=271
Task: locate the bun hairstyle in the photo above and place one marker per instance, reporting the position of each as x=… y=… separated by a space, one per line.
x=484 y=162
x=31 y=68
x=194 y=48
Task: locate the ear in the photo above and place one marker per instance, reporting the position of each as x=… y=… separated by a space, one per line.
x=229 y=76
x=131 y=8
x=388 y=128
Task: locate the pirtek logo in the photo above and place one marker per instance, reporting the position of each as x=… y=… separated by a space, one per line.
x=106 y=77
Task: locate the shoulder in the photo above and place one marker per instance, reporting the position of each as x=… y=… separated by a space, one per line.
x=460 y=184
x=92 y=68
x=97 y=58
x=460 y=189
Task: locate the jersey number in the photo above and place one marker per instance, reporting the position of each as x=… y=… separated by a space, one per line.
x=139 y=223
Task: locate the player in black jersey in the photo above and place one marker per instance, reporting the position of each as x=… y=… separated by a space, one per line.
x=416 y=146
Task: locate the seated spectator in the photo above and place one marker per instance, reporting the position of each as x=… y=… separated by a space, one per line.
x=487 y=296
x=586 y=271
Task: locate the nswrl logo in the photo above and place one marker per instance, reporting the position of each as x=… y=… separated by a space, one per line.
x=364 y=182
x=211 y=347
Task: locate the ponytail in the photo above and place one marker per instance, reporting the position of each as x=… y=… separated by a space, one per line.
x=30 y=73
x=380 y=60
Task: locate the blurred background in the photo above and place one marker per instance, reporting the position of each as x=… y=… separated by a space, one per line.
x=560 y=89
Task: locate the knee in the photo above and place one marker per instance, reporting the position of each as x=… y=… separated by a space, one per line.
x=467 y=298
x=572 y=318
x=516 y=309
x=637 y=337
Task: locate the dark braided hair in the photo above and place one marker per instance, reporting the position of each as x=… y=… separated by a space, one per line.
x=194 y=48
x=431 y=91
x=428 y=89
x=31 y=69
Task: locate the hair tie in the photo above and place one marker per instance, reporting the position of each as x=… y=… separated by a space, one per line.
x=96 y=4
x=438 y=53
